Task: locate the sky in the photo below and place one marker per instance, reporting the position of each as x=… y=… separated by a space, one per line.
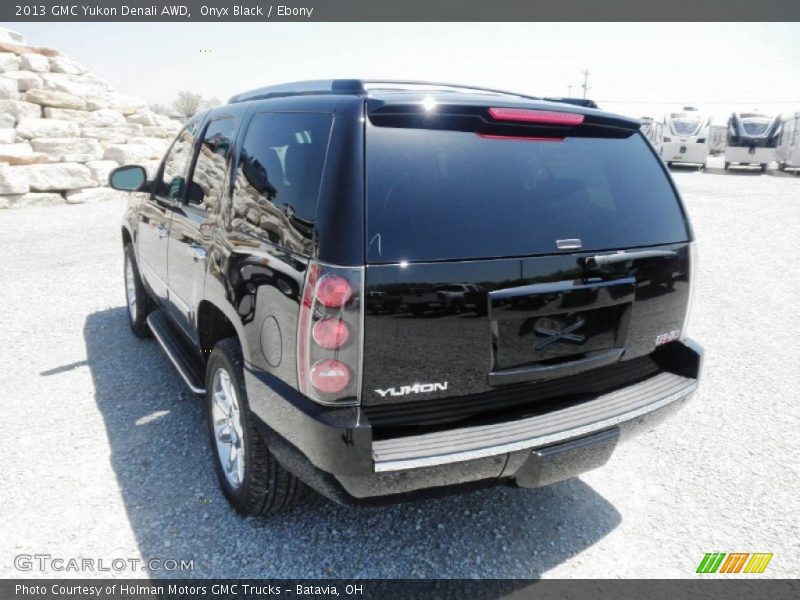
x=637 y=69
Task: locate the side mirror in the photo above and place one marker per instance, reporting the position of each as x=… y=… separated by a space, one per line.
x=128 y=178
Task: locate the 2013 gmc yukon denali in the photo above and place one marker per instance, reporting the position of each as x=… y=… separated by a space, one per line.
x=393 y=289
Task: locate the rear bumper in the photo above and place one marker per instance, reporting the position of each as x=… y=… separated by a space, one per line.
x=334 y=451
x=740 y=155
x=684 y=152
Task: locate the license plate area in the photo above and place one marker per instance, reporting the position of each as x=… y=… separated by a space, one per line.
x=544 y=324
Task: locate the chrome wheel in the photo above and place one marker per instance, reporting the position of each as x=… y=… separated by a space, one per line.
x=228 y=432
x=130 y=288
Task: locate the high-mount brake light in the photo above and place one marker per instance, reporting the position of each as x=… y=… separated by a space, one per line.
x=529 y=115
x=329 y=334
x=489 y=136
x=334 y=291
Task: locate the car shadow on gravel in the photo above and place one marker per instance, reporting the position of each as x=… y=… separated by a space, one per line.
x=162 y=462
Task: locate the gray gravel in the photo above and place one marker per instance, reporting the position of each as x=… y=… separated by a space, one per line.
x=105 y=456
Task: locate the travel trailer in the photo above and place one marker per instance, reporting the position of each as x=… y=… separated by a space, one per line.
x=685 y=138
x=788 y=152
x=752 y=139
x=653 y=131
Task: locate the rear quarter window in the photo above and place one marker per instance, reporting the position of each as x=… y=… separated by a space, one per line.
x=278 y=176
x=450 y=195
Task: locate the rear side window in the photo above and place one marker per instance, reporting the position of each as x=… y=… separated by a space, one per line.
x=212 y=159
x=439 y=195
x=278 y=177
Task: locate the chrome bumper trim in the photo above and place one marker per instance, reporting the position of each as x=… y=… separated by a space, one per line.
x=457 y=445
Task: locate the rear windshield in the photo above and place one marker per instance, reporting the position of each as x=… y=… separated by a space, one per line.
x=450 y=195
x=683 y=125
x=756 y=125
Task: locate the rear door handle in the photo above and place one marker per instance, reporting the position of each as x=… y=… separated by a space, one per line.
x=162 y=232
x=197 y=251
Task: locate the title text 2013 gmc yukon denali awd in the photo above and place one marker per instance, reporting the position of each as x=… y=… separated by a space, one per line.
x=387 y=290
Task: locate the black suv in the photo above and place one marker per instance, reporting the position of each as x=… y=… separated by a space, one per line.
x=393 y=289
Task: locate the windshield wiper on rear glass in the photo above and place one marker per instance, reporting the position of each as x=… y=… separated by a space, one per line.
x=601 y=260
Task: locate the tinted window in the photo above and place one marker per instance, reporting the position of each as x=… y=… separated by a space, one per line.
x=756 y=126
x=209 y=169
x=278 y=177
x=435 y=195
x=173 y=179
x=686 y=125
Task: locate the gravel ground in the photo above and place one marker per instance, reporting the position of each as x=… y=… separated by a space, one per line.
x=105 y=453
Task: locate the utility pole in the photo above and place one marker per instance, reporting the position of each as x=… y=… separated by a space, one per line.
x=569 y=91
x=585 y=84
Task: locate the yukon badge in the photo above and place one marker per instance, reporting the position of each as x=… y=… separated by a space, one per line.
x=417 y=388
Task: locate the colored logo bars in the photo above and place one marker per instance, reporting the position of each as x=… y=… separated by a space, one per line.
x=734 y=562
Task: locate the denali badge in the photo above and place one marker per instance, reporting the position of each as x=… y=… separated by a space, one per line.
x=554 y=332
x=417 y=388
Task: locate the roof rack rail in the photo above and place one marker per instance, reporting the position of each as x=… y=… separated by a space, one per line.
x=358 y=87
x=300 y=88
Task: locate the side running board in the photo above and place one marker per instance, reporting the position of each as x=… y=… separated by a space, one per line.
x=177 y=350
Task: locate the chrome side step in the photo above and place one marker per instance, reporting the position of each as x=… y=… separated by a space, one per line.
x=176 y=350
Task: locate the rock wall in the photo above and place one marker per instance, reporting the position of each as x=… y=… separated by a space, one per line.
x=62 y=129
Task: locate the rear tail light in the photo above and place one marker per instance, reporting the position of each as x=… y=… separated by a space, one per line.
x=334 y=290
x=329 y=334
x=330 y=376
x=692 y=287
x=527 y=115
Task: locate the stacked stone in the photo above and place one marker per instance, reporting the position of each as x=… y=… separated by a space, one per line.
x=62 y=129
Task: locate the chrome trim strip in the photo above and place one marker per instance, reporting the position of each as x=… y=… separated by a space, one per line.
x=172 y=359
x=442 y=459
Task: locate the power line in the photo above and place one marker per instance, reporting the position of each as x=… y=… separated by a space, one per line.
x=585 y=84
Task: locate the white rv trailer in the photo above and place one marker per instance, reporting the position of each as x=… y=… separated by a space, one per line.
x=788 y=152
x=686 y=137
x=752 y=139
x=652 y=130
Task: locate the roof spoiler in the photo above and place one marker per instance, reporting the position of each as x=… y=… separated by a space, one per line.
x=584 y=102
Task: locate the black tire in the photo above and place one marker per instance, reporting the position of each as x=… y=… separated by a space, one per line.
x=266 y=487
x=763 y=167
x=137 y=316
x=727 y=166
